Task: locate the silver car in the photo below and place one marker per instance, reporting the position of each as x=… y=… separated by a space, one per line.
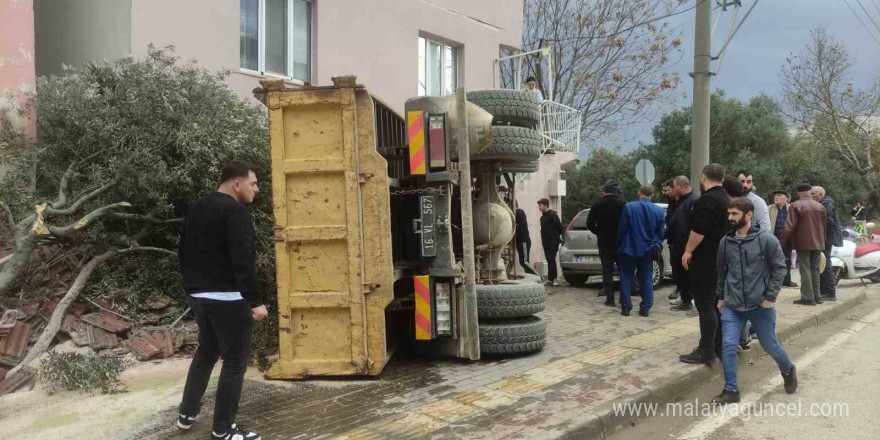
x=579 y=254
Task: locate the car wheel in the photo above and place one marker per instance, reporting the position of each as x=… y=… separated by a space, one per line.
x=657 y=275
x=513 y=335
x=575 y=280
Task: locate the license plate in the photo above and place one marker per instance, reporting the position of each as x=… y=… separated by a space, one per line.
x=586 y=259
x=429 y=244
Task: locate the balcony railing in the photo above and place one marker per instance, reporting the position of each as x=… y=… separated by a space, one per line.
x=560 y=126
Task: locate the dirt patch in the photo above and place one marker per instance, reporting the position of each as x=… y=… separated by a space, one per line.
x=153 y=387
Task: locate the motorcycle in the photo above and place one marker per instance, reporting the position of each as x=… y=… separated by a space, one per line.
x=855 y=261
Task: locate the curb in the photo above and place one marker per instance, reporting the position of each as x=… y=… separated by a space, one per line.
x=604 y=422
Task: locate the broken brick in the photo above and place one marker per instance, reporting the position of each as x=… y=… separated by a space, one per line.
x=31 y=307
x=145 y=347
x=72 y=324
x=80 y=338
x=107 y=322
x=100 y=339
x=76 y=309
x=16 y=341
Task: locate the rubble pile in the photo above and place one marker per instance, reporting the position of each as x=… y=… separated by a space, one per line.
x=96 y=327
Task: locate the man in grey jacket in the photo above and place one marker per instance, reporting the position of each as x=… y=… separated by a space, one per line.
x=751 y=267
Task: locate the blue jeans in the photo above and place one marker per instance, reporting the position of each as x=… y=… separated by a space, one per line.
x=629 y=265
x=732 y=323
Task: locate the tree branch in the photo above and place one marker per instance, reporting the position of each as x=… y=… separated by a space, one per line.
x=69 y=230
x=147 y=249
x=83 y=199
x=146 y=218
x=9 y=217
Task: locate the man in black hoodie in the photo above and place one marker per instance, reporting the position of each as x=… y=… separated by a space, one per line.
x=602 y=221
x=216 y=254
x=551 y=237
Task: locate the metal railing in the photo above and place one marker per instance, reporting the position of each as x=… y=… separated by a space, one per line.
x=560 y=126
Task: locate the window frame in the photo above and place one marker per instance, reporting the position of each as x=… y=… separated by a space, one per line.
x=456 y=50
x=261 y=43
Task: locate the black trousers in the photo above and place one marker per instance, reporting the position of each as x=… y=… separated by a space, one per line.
x=703 y=277
x=608 y=256
x=826 y=278
x=523 y=248
x=550 y=253
x=681 y=277
x=225 y=330
x=786 y=251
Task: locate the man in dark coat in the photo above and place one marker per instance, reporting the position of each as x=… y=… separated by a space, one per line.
x=602 y=221
x=551 y=237
x=523 y=240
x=677 y=233
x=833 y=237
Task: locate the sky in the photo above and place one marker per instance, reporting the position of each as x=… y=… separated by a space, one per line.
x=774 y=30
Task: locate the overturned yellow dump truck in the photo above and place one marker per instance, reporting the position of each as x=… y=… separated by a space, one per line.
x=382 y=241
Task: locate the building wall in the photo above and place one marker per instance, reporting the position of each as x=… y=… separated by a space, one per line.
x=72 y=32
x=537 y=187
x=16 y=59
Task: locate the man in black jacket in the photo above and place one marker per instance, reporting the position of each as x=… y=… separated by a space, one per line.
x=216 y=254
x=708 y=225
x=523 y=240
x=677 y=233
x=551 y=237
x=602 y=221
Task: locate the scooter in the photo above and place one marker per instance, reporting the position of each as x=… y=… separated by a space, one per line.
x=855 y=261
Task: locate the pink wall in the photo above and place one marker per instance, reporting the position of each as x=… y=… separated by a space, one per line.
x=17 y=52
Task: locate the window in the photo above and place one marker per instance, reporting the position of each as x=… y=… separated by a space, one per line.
x=276 y=37
x=438 y=68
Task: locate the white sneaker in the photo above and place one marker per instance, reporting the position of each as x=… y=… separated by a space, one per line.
x=555 y=283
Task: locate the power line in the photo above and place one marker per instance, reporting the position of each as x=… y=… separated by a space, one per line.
x=868 y=14
x=867 y=29
x=737 y=28
x=663 y=17
x=876 y=5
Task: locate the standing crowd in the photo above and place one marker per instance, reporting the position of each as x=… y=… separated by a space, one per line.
x=730 y=254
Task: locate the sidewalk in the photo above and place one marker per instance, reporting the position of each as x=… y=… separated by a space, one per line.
x=593 y=357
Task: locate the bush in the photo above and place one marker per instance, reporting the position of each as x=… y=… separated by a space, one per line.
x=76 y=372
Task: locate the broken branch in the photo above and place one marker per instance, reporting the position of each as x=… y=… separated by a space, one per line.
x=69 y=230
x=83 y=199
x=9 y=217
x=146 y=218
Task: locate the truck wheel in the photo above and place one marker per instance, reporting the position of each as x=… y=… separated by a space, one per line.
x=515 y=145
x=530 y=167
x=510 y=300
x=574 y=279
x=508 y=107
x=512 y=336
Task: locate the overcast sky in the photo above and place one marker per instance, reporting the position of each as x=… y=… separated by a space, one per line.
x=775 y=29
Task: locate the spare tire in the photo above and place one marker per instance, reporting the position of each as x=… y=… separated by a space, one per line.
x=512 y=336
x=514 y=145
x=508 y=107
x=510 y=300
x=530 y=167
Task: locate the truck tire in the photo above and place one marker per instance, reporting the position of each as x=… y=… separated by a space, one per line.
x=530 y=167
x=514 y=145
x=512 y=336
x=508 y=107
x=510 y=300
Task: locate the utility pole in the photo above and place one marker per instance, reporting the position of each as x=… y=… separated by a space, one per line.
x=702 y=92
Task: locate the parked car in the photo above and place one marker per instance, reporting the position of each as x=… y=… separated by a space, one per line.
x=579 y=254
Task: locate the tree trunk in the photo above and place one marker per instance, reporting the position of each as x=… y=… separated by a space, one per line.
x=61 y=309
x=24 y=248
